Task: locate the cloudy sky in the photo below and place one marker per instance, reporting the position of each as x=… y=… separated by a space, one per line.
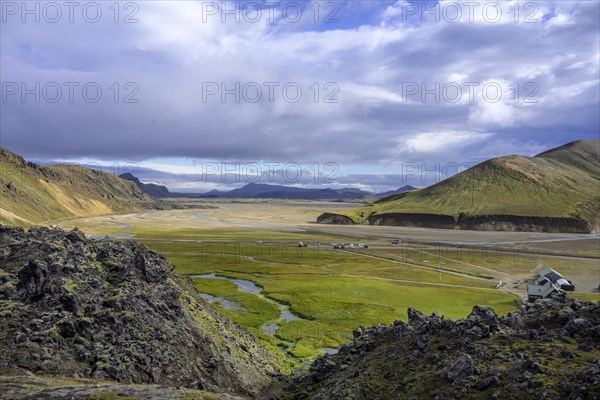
x=372 y=94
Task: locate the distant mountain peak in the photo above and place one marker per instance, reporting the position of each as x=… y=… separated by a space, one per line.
x=148 y=188
x=403 y=189
x=129 y=176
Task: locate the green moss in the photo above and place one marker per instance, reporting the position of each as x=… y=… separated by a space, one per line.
x=116 y=297
x=70 y=286
x=303 y=351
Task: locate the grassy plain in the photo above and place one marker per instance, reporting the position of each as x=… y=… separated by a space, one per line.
x=333 y=292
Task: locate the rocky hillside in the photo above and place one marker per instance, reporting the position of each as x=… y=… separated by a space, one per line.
x=32 y=193
x=555 y=191
x=548 y=350
x=151 y=189
x=114 y=310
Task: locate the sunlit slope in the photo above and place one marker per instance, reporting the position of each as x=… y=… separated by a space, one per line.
x=563 y=182
x=31 y=193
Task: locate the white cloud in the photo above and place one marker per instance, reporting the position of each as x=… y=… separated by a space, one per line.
x=562 y=19
x=373 y=93
x=431 y=142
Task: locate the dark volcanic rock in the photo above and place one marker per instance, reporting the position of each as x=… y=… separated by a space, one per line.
x=413 y=219
x=115 y=310
x=484 y=316
x=488 y=382
x=76 y=236
x=482 y=356
x=31 y=280
x=152 y=266
x=476 y=222
x=331 y=218
x=463 y=368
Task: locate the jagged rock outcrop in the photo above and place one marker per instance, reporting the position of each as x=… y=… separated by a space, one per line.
x=546 y=350
x=114 y=310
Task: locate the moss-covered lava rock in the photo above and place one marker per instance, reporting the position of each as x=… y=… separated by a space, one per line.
x=114 y=310
x=548 y=350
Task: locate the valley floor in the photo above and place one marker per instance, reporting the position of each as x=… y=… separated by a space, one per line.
x=308 y=300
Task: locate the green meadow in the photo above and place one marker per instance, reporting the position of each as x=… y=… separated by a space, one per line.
x=332 y=292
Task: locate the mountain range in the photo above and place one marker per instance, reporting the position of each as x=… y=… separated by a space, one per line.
x=263 y=191
x=260 y=190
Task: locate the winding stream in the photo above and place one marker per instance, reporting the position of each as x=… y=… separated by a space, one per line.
x=230 y=305
x=270 y=327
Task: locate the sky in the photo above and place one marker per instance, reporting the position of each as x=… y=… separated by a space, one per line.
x=202 y=95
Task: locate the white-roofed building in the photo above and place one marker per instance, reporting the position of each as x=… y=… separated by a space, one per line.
x=548 y=281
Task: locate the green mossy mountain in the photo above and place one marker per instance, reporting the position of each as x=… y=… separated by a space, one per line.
x=547 y=350
x=558 y=190
x=114 y=310
x=32 y=193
